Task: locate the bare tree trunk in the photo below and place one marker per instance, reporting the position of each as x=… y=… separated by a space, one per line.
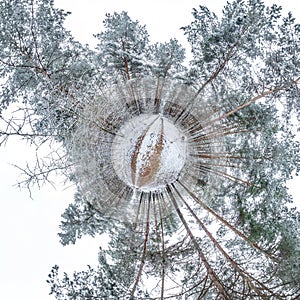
x=243 y=273
x=138 y=277
x=233 y=228
x=212 y=274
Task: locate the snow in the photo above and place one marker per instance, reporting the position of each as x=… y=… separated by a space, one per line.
x=149 y=152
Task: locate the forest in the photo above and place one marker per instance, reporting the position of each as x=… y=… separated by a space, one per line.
x=183 y=166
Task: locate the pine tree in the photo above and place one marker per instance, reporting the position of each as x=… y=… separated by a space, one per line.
x=185 y=168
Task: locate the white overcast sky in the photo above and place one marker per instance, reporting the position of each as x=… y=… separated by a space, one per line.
x=28 y=228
